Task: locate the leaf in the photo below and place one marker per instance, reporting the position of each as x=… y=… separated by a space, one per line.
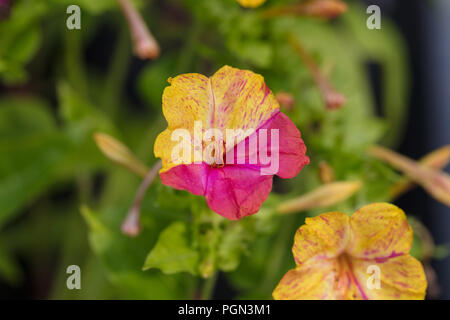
x=9 y=269
x=153 y=80
x=123 y=257
x=23 y=116
x=75 y=109
x=20 y=40
x=172 y=252
x=35 y=149
x=29 y=169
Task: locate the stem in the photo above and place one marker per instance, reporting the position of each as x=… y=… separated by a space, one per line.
x=131 y=225
x=73 y=62
x=117 y=73
x=208 y=287
x=277 y=253
x=333 y=99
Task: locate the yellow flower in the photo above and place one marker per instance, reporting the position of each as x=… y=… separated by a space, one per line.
x=365 y=256
x=251 y=3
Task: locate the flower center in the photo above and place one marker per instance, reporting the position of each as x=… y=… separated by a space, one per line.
x=346 y=283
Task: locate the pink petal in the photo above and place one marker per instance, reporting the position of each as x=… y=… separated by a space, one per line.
x=237 y=191
x=292 y=149
x=191 y=177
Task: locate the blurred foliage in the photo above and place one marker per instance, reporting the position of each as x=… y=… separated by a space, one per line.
x=55 y=96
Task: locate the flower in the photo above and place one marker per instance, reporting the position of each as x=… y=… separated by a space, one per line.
x=336 y=255
x=231 y=99
x=251 y=3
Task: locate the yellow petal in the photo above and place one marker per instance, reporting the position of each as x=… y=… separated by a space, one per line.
x=230 y=99
x=401 y=278
x=251 y=3
x=323 y=196
x=315 y=280
x=379 y=231
x=324 y=236
x=242 y=99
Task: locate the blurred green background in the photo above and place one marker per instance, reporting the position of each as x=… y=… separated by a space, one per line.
x=62 y=202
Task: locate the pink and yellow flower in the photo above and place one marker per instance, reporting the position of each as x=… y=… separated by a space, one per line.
x=230 y=99
x=336 y=255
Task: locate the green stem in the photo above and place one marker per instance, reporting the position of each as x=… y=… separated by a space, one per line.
x=277 y=254
x=208 y=287
x=117 y=73
x=74 y=62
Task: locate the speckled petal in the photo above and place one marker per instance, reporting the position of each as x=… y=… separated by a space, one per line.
x=324 y=236
x=230 y=99
x=401 y=278
x=379 y=231
x=315 y=280
x=242 y=100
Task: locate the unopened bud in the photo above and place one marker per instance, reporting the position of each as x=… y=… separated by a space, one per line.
x=285 y=99
x=327 y=9
x=435 y=182
x=117 y=152
x=322 y=9
x=145 y=45
x=326 y=172
x=323 y=196
x=437 y=159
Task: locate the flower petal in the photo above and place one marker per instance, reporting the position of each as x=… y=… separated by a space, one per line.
x=379 y=231
x=324 y=236
x=191 y=177
x=237 y=191
x=230 y=99
x=241 y=100
x=290 y=151
x=315 y=280
x=401 y=278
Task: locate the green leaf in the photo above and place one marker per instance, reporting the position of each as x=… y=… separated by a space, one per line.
x=172 y=253
x=9 y=269
x=20 y=40
x=23 y=116
x=30 y=167
x=123 y=256
x=76 y=109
